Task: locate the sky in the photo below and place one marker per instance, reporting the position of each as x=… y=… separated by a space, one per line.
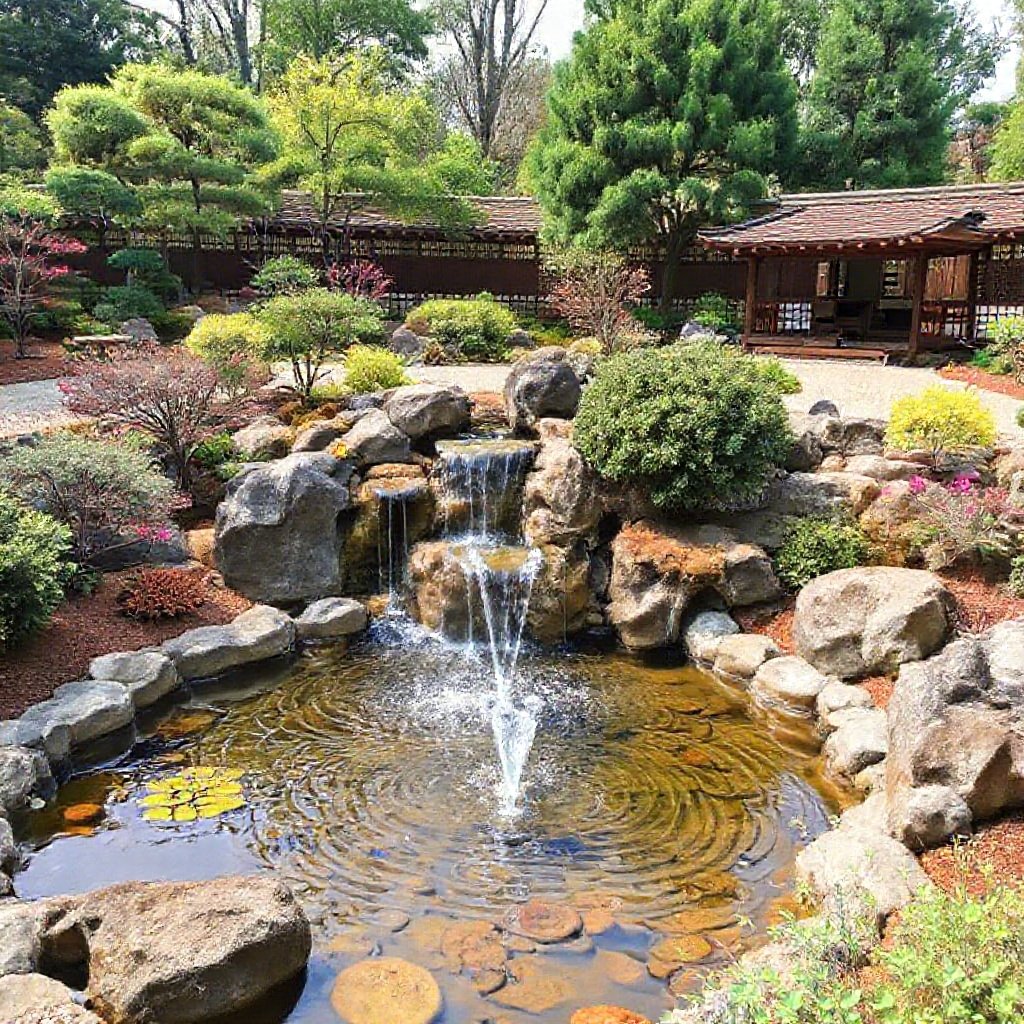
x=564 y=17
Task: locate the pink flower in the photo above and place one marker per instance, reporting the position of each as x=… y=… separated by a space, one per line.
x=962 y=484
x=917 y=485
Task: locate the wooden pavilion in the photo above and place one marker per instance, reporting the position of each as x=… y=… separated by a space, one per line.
x=877 y=273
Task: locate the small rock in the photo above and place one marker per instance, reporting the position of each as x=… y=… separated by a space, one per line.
x=606 y=1015
x=596 y=922
x=407 y=343
x=37 y=999
x=705 y=632
x=8 y=848
x=870 y=779
x=148 y=675
x=697 y=919
x=544 y=922
x=929 y=815
x=619 y=968
x=390 y=920
x=860 y=739
x=331 y=618
x=386 y=990
x=839 y=697
x=741 y=656
x=879 y=468
x=353 y=943
x=537 y=987
x=21 y=929
x=672 y=953
x=788 y=682
x=83 y=814
x=24 y=775
x=319 y=436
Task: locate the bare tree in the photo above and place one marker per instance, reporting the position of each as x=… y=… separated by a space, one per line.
x=491 y=45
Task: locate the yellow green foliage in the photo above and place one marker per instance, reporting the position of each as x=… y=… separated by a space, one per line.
x=940 y=420
x=369 y=369
x=587 y=347
x=192 y=794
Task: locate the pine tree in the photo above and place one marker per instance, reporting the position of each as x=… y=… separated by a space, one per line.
x=669 y=114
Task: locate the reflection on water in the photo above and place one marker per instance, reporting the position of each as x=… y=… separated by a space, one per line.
x=369 y=782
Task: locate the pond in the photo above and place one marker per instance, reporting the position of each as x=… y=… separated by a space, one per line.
x=655 y=800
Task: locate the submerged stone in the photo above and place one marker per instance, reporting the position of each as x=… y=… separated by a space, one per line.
x=386 y=990
x=544 y=922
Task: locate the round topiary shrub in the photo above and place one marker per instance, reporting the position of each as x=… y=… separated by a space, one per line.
x=695 y=426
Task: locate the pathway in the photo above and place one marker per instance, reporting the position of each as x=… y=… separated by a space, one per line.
x=859 y=389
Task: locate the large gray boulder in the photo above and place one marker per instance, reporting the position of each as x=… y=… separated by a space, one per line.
x=375 y=440
x=90 y=708
x=867 y=621
x=149 y=676
x=811 y=494
x=331 y=619
x=256 y=635
x=859 y=739
x=277 y=537
x=852 y=436
x=541 y=384
x=426 y=412
x=184 y=952
x=21 y=929
x=42 y=733
x=956 y=737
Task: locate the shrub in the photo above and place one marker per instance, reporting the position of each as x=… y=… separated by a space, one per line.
x=215 y=451
x=990 y=360
x=815 y=546
x=715 y=312
x=33 y=569
x=163 y=594
x=285 y=275
x=126 y=302
x=165 y=395
x=1016 y=581
x=1005 y=347
x=146 y=267
x=370 y=369
x=305 y=329
x=776 y=375
x=940 y=421
x=477 y=329
x=102 y=491
x=233 y=344
x=330 y=393
x=363 y=279
x=693 y=426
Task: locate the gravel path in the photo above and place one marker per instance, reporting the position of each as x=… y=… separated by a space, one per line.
x=859 y=389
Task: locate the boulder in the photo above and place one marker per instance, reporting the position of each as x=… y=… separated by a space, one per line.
x=265 y=438
x=541 y=384
x=407 y=343
x=8 y=848
x=956 y=729
x=520 y=338
x=705 y=631
x=185 y=952
x=853 y=436
x=90 y=708
x=256 y=635
x=813 y=494
x=806 y=453
x=561 y=496
x=319 y=436
x=376 y=439
x=439 y=589
x=859 y=740
x=21 y=929
x=860 y=871
x=823 y=407
x=882 y=469
x=140 y=330
x=43 y=733
x=868 y=621
x=37 y=999
x=330 y=619
x=562 y=598
x=788 y=683
x=148 y=675
x=657 y=571
x=840 y=697
x=426 y=412
x=24 y=776
x=386 y=990
x=740 y=656
x=277 y=537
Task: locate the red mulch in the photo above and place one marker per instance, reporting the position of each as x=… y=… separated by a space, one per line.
x=46 y=360
x=981 y=602
x=1003 y=383
x=880 y=688
x=998 y=846
x=86 y=627
x=772 y=621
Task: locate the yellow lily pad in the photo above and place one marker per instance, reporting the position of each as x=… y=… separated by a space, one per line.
x=193 y=793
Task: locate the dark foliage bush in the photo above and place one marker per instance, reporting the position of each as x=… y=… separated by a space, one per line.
x=163 y=594
x=34 y=569
x=820 y=545
x=695 y=426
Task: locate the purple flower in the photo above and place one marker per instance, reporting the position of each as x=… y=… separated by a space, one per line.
x=918 y=485
x=962 y=484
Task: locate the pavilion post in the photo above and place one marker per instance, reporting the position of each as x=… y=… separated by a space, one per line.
x=750 y=303
x=971 y=325
x=919 y=274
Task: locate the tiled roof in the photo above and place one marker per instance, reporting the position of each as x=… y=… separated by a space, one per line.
x=968 y=214
x=497 y=216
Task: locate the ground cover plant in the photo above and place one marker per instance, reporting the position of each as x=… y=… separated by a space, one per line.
x=692 y=426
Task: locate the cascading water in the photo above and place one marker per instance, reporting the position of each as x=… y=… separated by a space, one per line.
x=482 y=482
x=393 y=534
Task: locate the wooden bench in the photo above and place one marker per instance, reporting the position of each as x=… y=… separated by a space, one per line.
x=820 y=352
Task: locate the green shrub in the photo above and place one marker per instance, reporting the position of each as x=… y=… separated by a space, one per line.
x=369 y=369
x=215 y=451
x=715 y=312
x=990 y=360
x=172 y=326
x=285 y=275
x=655 y=320
x=34 y=569
x=940 y=421
x=126 y=303
x=234 y=345
x=330 y=393
x=307 y=328
x=1016 y=581
x=1005 y=344
x=478 y=329
x=815 y=546
x=694 y=426
x=146 y=268
x=776 y=375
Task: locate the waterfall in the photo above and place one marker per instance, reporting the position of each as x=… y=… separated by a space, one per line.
x=482 y=484
x=393 y=533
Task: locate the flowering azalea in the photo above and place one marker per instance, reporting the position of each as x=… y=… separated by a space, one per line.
x=917 y=485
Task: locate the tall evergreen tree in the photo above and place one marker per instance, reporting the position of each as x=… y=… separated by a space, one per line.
x=889 y=75
x=669 y=114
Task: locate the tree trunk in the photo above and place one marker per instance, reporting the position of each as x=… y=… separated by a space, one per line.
x=674 y=246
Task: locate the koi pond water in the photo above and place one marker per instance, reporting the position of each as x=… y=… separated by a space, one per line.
x=655 y=801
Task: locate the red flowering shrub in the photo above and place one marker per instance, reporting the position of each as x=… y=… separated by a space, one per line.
x=362 y=279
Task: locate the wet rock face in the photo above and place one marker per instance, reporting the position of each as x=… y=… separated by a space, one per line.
x=562 y=598
x=956 y=737
x=277 y=537
x=439 y=590
x=541 y=384
x=859 y=622
x=657 y=571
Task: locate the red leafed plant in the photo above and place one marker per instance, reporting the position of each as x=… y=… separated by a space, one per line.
x=165 y=395
x=163 y=594
x=31 y=260
x=362 y=279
